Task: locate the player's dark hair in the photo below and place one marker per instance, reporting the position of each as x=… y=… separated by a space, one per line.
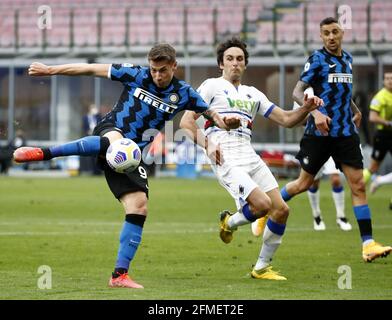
x=233 y=42
x=162 y=52
x=328 y=20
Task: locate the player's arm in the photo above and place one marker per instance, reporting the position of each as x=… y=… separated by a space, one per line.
x=357 y=114
x=375 y=118
x=290 y=118
x=321 y=121
x=188 y=123
x=225 y=123
x=71 y=69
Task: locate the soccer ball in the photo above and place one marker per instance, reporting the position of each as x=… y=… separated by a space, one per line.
x=123 y=155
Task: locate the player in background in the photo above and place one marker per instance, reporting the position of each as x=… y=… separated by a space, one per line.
x=151 y=96
x=380 y=181
x=244 y=175
x=381 y=115
x=328 y=169
x=332 y=130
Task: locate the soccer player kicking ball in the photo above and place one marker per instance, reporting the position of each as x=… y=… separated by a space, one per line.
x=151 y=96
x=243 y=174
x=332 y=130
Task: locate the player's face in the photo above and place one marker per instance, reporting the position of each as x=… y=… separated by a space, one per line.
x=388 y=81
x=233 y=65
x=332 y=36
x=162 y=72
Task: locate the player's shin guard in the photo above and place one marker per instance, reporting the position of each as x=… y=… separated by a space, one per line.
x=363 y=216
x=130 y=237
x=272 y=238
x=87 y=146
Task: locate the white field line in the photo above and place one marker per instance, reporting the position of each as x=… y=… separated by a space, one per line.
x=153 y=228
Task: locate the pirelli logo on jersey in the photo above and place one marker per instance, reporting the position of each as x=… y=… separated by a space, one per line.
x=154 y=101
x=340 y=78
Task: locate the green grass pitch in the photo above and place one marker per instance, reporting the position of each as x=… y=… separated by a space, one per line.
x=72 y=226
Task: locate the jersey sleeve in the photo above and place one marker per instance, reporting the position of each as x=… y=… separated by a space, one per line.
x=206 y=91
x=376 y=103
x=265 y=106
x=123 y=72
x=196 y=102
x=311 y=69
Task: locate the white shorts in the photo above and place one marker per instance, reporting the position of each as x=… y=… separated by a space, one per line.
x=241 y=180
x=327 y=169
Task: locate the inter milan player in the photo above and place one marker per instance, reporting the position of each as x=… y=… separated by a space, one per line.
x=244 y=175
x=151 y=96
x=332 y=130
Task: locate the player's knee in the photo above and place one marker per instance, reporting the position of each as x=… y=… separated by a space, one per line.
x=282 y=212
x=261 y=206
x=359 y=187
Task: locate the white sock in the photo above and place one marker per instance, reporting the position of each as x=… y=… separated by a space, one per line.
x=365 y=243
x=314 y=200
x=236 y=220
x=338 y=199
x=386 y=179
x=271 y=242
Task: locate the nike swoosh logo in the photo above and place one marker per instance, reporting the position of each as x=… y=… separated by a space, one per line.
x=332 y=65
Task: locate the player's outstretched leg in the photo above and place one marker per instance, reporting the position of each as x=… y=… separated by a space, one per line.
x=225 y=233
x=87 y=146
x=229 y=222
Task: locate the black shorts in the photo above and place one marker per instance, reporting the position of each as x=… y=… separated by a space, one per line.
x=382 y=143
x=315 y=151
x=121 y=183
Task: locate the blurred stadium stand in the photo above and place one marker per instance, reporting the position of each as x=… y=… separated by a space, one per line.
x=267 y=25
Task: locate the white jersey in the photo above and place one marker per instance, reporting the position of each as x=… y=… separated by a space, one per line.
x=244 y=102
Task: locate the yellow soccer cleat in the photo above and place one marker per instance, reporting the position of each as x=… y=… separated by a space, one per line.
x=267 y=273
x=259 y=225
x=226 y=234
x=375 y=250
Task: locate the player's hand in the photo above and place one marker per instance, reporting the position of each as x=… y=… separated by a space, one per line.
x=312 y=103
x=322 y=122
x=232 y=122
x=214 y=153
x=39 y=69
x=357 y=119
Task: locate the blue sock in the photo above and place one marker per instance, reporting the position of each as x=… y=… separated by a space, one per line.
x=363 y=216
x=313 y=189
x=286 y=197
x=248 y=214
x=130 y=237
x=275 y=227
x=337 y=189
x=87 y=146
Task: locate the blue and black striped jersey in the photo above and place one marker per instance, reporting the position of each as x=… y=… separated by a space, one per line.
x=142 y=105
x=331 y=79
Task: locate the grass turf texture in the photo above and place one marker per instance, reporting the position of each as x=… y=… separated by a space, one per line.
x=73 y=225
